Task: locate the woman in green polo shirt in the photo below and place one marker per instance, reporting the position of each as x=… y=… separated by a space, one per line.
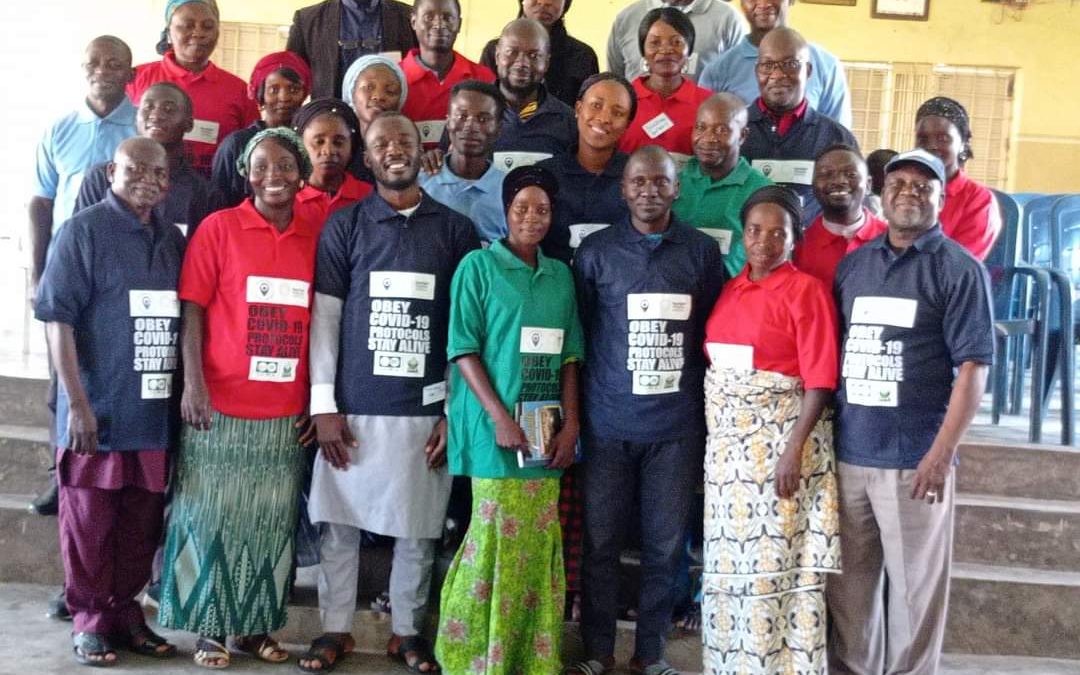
x=515 y=342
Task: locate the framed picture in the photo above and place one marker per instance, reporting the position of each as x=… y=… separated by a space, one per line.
x=912 y=10
x=842 y=3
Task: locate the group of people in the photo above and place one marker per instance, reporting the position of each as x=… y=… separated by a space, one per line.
x=583 y=294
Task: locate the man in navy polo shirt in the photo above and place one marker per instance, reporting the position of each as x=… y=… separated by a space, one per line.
x=646 y=285
x=917 y=343
x=378 y=362
x=108 y=296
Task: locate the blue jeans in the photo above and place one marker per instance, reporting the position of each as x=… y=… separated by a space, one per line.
x=662 y=477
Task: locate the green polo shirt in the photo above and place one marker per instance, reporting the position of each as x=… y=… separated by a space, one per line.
x=713 y=206
x=523 y=323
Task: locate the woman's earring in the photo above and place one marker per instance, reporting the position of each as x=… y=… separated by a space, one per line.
x=644 y=64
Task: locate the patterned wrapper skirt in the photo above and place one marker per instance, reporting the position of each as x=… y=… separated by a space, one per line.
x=502 y=601
x=765 y=558
x=229 y=547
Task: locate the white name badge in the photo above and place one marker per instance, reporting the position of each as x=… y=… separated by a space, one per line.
x=648 y=383
x=795 y=171
x=884 y=311
x=156 y=385
x=666 y=306
x=417 y=286
x=182 y=227
x=153 y=303
x=278 y=291
x=203 y=131
x=267 y=369
x=505 y=161
x=431 y=131
x=722 y=237
x=579 y=231
x=737 y=357
x=433 y=393
x=398 y=364
x=657 y=125
x=871 y=393
x=541 y=340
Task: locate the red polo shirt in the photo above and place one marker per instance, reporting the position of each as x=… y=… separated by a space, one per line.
x=789 y=320
x=680 y=108
x=428 y=101
x=820 y=251
x=256 y=286
x=970 y=216
x=315 y=206
x=219 y=102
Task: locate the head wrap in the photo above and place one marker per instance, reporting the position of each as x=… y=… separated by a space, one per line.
x=283 y=135
x=271 y=63
x=329 y=106
x=942 y=106
x=170 y=8
x=782 y=197
x=528 y=176
x=363 y=63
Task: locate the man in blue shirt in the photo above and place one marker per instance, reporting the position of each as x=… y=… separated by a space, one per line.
x=733 y=71
x=646 y=287
x=468 y=181
x=918 y=340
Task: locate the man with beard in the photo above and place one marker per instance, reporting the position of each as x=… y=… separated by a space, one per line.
x=434 y=68
x=841 y=182
x=785 y=132
x=468 y=181
x=716 y=181
x=378 y=362
x=918 y=339
x=646 y=286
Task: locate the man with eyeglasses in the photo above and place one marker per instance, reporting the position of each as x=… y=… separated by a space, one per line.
x=785 y=132
x=733 y=71
x=918 y=340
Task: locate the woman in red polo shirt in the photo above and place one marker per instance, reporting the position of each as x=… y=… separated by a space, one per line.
x=331 y=134
x=246 y=288
x=667 y=99
x=770 y=488
x=219 y=99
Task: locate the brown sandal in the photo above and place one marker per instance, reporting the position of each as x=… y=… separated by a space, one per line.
x=262 y=647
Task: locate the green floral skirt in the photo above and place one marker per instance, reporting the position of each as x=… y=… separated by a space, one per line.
x=502 y=601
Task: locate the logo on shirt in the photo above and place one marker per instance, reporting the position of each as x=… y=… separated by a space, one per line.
x=266 y=369
x=535 y=339
x=156 y=385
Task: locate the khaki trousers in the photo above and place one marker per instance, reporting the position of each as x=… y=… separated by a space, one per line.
x=888 y=607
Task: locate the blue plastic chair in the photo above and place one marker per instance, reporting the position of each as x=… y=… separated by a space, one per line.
x=1034 y=248
x=1065 y=253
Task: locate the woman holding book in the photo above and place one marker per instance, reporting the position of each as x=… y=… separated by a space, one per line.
x=515 y=343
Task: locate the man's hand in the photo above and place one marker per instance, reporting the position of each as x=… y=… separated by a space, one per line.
x=931 y=474
x=335 y=439
x=431 y=161
x=789 y=472
x=195 y=406
x=435 y=448
x=82 y=428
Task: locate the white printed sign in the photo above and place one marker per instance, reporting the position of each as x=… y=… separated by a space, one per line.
x=278 y=291
x=153 y=303
x=793 y=171
x=402 y=285
x=541 y=340
x=737 y=357
x=203 y=131
x=270 y=369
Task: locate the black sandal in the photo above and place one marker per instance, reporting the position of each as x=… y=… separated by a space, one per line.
x=85 y=645
x=327 y=650
x=421 y=648
x=146 y=642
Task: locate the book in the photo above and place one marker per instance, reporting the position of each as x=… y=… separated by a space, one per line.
x=540 y=420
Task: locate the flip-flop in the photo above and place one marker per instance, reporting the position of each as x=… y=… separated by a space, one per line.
x=207 y=649
x=146 y=642
x=591 y=667
x=321 y=649
x=84 y=645
x=419 y=646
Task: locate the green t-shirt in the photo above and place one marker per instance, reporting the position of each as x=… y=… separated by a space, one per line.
x=523 y=324
x=713 y=206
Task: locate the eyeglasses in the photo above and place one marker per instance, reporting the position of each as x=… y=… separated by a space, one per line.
x=788 y=67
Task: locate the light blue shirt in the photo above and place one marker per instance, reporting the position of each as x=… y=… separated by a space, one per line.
x=826 y=92
x=480 y=200
x=73 y=144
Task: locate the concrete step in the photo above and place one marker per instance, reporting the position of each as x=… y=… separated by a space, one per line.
x=1017 y=532
x=22 y=401
x=1034 y=471
x=25 y=457
x=29 y=543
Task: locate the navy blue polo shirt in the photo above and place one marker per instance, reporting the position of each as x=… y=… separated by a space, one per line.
x=393 y=274
x=189 y=199
x=223 y=174
x=789 y=159
x=114 y=281
x=908 y=321
x=586 y=202
x=547 y=132
x=644 y=303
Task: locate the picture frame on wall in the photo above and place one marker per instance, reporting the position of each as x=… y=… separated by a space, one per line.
x=841 y=3
x=910 y=10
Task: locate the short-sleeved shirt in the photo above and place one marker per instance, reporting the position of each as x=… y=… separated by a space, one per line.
x=255 y=284
x=547 y=132
x=643 y=302
x=113 y=280
x=907 y=322
x=820 y=250
x=428 y=102
x=189 y=200
x=73 y=144
x=826 y=90
x=223 y=172
x=787 y=319
x=713 y=206
x=219 y=102
x=970 y=216
x=586 y=202
x=667 y=122
x=393 y=274
x=788 y=160
x=316 y=205
x=478 y=200
x=523 y=324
